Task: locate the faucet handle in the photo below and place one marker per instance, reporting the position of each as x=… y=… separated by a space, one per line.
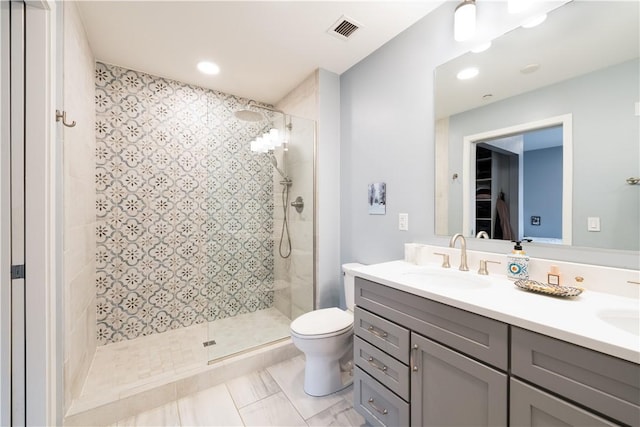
x=483 y=266
x=445 y=259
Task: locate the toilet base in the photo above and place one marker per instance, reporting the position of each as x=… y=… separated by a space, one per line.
x=322 y=377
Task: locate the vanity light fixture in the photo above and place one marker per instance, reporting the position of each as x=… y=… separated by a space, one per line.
x=207 y=67
x=535 y=21
x=467 y=73
x=464 y=20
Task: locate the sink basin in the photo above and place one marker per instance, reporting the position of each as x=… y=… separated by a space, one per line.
x=627 y=320
x=451 y=279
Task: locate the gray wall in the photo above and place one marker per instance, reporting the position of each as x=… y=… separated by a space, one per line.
x=542 y=174
x=387 y=134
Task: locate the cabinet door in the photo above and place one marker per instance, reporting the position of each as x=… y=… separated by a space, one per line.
x=597 y=381
x=531 y=407
x=449 y=389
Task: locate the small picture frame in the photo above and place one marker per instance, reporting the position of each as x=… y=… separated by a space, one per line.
x=535 y=220
x=377 y=195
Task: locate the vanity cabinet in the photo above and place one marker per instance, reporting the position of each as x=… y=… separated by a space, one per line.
x=532 y=407
x=423 y=363
x=448 y=388
x=600 y=382
x=420 y=362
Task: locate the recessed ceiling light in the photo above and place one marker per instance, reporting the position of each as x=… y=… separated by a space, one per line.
x=208 y=67
x=535 y=21
x=530 y=68
x=481 y=47
x=467 y=73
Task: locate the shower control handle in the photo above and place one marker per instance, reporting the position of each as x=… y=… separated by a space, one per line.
x=298 y=203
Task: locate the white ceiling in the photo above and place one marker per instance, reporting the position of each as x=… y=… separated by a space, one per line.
x=264 y=48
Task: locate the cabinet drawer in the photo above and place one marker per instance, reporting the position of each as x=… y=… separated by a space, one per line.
x=595 y=380
x=477 y=336
x=376 y=404
x=388 y=336
x=531 y=407
x=384 y=368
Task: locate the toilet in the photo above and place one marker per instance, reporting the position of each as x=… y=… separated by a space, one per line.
x=325 y=337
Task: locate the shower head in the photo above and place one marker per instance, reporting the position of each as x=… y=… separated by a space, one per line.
x=274 y=162
x=247 y=115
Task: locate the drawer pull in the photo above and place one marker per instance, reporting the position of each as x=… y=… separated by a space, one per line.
x=379 y=334
x=381 y=411
x=372 y=362
x=412 y=362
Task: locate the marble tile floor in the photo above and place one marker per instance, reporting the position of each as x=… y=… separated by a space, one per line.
x=270 y=397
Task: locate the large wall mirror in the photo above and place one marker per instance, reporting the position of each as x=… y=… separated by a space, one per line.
x=541 y=142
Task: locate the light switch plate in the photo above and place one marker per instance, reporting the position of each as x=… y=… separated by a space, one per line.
x=403 y=221
x=593 y=223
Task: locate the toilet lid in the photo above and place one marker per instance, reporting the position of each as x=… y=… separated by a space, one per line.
x=321 y=322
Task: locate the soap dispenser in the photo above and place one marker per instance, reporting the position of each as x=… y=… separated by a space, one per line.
x=517 y=263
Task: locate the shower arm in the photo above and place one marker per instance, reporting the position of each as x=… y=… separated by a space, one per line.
x=253 y=103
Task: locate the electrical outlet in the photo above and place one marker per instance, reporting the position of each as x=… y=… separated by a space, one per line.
x=403 y=221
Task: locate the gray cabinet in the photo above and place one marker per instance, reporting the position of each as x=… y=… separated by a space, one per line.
x=602 y=383
x=531 y=407
x=378 y=405
x=448 y=388
x=423 y=363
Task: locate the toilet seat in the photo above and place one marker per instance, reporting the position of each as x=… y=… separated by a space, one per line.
x=323 y=323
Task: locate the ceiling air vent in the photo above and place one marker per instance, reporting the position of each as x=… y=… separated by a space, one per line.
x=344 y=27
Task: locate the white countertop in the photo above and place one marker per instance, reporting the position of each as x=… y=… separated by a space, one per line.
x=576 y=320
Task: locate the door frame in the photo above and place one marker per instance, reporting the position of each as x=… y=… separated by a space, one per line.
x=42 y=192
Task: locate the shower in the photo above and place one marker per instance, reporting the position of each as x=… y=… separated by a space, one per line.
x=263 y=145
x=286 y=182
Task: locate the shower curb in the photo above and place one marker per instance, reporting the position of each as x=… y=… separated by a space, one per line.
x=112 y=407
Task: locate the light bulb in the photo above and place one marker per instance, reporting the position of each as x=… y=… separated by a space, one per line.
x=467 y=73
x=464 y=20
x=274 y=135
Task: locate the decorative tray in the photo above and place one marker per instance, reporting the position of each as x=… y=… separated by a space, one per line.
x=545 y=288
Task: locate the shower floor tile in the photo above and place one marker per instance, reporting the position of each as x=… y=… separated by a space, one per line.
x=235 y=334
x=129 y=364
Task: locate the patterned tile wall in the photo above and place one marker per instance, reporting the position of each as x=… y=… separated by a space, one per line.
x=184 y=209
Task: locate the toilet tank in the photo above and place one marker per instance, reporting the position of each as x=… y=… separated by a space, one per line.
x=349 y=283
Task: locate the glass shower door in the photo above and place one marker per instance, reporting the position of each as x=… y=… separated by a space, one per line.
x=260 y=268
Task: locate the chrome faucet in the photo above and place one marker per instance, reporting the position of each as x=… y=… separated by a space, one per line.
x=482 y=235
x=463 y=250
